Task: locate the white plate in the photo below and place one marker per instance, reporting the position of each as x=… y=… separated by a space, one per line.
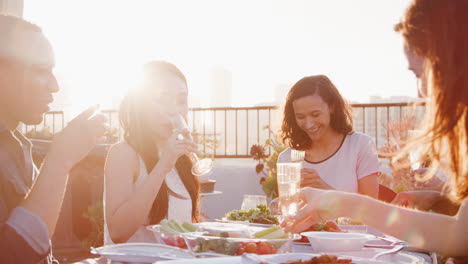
x=276 y=258
x=398 y=258
x=282 y=258
x=141 y=252
x=301 y=243
x=243 y=222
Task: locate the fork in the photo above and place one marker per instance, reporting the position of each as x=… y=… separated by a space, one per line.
x=391 y=251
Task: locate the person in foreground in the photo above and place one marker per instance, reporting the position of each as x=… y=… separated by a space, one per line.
x=319 y=121
x=30 y=199
x=148 y=174
x=437 y=31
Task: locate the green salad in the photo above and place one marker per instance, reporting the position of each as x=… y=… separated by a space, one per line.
x=259 y=215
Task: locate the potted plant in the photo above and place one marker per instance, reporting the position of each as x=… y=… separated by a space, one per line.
x=267 y=164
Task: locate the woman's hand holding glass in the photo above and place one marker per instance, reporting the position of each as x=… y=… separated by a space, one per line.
x=176 y=147
x=181 y=129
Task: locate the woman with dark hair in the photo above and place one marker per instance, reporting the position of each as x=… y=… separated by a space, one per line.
x=148 y=175
x=436 y=30
x=318 y=121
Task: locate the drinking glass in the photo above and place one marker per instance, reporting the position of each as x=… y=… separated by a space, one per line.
x=200 y=166
x=251 y=201
x=289 y=180
x=297 y=155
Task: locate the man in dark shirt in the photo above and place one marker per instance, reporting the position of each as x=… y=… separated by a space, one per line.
x=30 y=200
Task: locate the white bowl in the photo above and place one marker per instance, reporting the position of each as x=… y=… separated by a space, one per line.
x=336 y=241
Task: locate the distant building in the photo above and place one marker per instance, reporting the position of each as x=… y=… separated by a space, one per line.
x=12 y=7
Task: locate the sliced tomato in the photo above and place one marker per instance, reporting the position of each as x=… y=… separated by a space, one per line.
x=251 y=247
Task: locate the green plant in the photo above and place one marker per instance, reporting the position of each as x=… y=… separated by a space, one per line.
x=95 y=215
x=267 y=164
x=397 y=137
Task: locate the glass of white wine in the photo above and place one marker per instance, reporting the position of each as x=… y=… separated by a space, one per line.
x=289 y=181
x=200 y=166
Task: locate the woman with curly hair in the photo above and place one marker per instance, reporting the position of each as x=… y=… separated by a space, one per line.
x=436 y=30
x=318 y=121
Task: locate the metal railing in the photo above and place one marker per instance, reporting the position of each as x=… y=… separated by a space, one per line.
x=229 y=132
x=53 y=122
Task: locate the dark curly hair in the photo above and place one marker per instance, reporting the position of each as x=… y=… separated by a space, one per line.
x=341 y=119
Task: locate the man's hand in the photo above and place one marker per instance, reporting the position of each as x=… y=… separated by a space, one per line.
x=75 y=141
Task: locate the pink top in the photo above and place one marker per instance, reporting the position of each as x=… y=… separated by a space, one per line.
x=355 y=159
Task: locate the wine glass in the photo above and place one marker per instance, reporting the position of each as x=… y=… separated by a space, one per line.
x=289 y=180
x=200 y=166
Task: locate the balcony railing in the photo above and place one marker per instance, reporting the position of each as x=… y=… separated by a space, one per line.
x=53 y=122
x=229 y=132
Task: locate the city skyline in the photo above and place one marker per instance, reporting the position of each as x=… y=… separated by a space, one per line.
x=262 y=44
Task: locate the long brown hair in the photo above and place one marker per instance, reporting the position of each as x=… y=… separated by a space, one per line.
x=341 y=119
x=139 y=136
x=438 y=31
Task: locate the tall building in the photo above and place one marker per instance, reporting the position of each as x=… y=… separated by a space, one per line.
x=221 y=87
x=12 y=7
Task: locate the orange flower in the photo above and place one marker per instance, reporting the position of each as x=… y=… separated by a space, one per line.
x=257 y=152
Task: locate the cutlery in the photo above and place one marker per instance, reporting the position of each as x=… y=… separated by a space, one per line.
x=391 y=251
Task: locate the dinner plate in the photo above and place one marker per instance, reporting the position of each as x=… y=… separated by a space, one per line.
x=141 y=252
x=243 y=222
x=275 y=258
x=283 y=258
x=398 y=258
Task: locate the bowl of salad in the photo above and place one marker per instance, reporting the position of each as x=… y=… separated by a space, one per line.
x=259 y=240
x=260 y=216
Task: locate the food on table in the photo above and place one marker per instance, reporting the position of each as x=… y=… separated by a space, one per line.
x=224 y=229
x=325 y=226
x=174 y=228
x=347 y=221
x=259 y=215
x=257 y=240
x=274 y=232
x=323 y=259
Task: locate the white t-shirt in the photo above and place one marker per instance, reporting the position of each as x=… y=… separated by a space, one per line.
x=355 y=159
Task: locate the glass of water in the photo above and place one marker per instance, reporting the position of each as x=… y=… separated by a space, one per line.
x=289 y=180
x=297 y=155
x=200 y=166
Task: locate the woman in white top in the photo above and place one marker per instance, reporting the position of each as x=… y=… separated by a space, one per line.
x=318 y=120
x=148 y=175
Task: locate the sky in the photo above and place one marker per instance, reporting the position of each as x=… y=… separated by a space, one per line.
x=100 y=46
